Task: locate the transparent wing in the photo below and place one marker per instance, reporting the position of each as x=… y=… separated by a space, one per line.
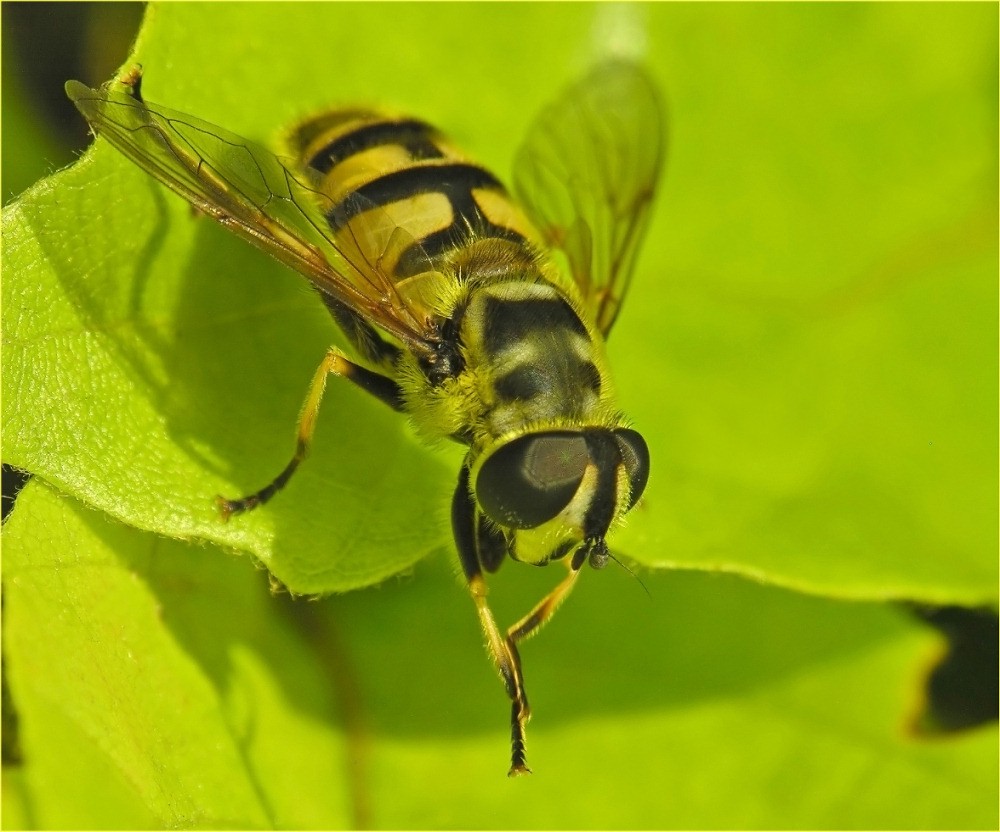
x=587 y=174
x=255 y=194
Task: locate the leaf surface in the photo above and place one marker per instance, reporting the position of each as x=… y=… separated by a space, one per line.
x=159 y=685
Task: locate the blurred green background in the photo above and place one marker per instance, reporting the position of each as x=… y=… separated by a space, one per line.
x=43 y=45
x=810 y=349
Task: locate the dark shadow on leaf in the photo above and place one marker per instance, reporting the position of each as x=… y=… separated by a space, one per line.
x=103 y=302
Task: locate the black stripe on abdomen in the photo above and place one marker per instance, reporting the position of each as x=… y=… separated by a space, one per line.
x=416 y=137
x=454 y=181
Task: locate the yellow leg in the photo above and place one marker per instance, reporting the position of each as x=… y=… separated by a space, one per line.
x=507 y=661
x=545 y=608
x=334 y=363
x=503 y=649
x=523 y=629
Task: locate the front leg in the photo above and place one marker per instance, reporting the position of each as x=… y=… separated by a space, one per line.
x=502 y=650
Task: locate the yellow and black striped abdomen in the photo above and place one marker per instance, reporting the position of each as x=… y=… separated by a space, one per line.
x=385 y=173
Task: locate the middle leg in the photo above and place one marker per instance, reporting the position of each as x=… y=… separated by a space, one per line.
x=337 y=364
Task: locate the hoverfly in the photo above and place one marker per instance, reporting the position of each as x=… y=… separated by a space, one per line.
x=449 y=293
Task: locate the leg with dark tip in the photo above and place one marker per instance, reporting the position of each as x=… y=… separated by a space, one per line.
x=526 y=627
x=518 y=762
x=230 y=507
x=506 y=660
x=337 y=364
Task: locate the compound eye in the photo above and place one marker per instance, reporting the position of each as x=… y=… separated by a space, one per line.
x=635 y=458
x=530 y=480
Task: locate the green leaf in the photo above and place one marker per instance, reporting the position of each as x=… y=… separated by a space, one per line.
x=158 y=685
x=809 y=347
x=822 y=373
x=142 y=671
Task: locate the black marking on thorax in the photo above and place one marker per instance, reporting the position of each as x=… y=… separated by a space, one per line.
x=509 y=321
x=552 y=331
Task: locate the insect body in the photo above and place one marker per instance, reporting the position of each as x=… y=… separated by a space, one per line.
x=448 y=291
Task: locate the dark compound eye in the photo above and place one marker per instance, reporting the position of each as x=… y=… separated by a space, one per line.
x=531 y=479
x=635 y=458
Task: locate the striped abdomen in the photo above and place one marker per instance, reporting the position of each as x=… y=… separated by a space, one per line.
x=383 y=173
